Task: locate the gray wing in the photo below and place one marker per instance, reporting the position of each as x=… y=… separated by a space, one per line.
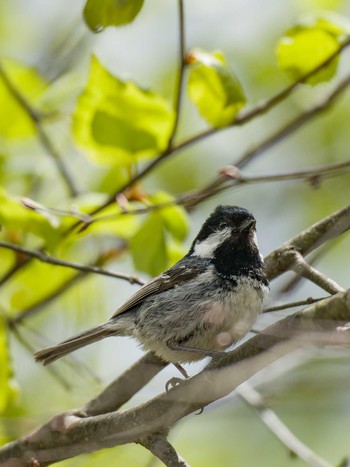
x=169 y=279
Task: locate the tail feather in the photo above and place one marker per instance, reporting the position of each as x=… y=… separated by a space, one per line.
x=50 y=354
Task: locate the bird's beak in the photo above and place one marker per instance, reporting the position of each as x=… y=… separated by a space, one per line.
x=248 y=225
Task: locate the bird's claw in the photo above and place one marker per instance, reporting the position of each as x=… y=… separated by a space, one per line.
x=172 y=383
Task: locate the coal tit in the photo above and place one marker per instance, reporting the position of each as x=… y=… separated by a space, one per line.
x=201 y=305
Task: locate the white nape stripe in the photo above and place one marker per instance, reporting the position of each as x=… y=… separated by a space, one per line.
x=206 y=248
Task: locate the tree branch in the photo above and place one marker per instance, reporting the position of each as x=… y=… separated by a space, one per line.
x=180 y=75
x=301 y=267
x=73 y=433
x=244 y=118
x=308 y=301
x=311 y=238
x=161 y=448
x=278 y=428
x=36 y=118
x=45 y=258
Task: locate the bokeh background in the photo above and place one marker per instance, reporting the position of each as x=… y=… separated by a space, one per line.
x=310 y=392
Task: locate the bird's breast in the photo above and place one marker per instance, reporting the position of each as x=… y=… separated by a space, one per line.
x=233 y=312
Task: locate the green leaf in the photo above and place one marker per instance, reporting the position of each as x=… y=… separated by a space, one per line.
x=100 y=14
x=117 y=122
x=157 y=244
x=15 y=217
x=174 y=217
x=308 y=44
x=214 y=88
x=14 y=120
x=8 y=386
x=148 y=246
x=28 y=290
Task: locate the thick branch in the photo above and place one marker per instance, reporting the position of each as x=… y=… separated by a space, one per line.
x=68 y=434
x=161 y=448
x=329 y=228
x=301 y=267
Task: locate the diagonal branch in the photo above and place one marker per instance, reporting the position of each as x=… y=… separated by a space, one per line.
x=301 y=267
x=45 y=258
x=280 y=430
x=161 y=448
x=42 y=135
x=311 y=238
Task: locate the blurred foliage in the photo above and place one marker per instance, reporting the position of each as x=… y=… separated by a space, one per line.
x=8 y=387
x=14 y=120
x=108 y=135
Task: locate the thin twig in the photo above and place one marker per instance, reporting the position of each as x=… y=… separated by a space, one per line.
x=36 y=118
x=187 y=199
x=19 y=264
x=309 y=174
x=285 y=306
x=216 y=185
x=45 y=258
x=278 y=428
x=180 y=75
x=19 y=337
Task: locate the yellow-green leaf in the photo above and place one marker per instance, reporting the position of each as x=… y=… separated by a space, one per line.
x=117 y=122
x=15 y=217
x=14 y=120
x=8 y=387
x=157 y=244
x=214 y=88
x=100 y=14
x=174 y=217
x=307 y=45
x=148 y=246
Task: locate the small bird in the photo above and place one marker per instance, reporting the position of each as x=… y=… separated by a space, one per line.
x=200 y=306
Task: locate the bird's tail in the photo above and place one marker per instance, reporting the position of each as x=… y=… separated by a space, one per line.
x=50 y=354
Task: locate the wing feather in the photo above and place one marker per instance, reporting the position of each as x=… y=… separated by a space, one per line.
x=169 y=279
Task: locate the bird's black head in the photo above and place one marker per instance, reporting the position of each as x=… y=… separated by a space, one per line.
x=228 y=239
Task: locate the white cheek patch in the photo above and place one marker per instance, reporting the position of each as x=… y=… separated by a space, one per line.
x=255 y=240
x=206 y=248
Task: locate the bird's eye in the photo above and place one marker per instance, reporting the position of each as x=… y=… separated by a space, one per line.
x=222 y=225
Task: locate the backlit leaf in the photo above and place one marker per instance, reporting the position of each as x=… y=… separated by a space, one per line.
x=157 y=244
x=308 y=44
x=14 y=120
x=148 y=246
x=174 y=217
x=117 y=122
x=214 y=88
x=100 y=14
